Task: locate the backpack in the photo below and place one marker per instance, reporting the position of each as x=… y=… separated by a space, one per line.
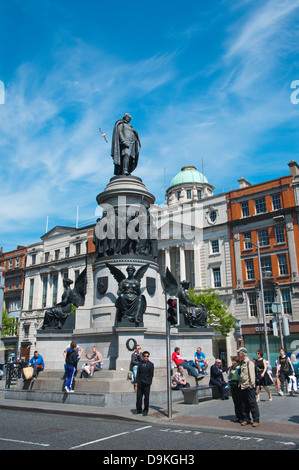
x=257 y=371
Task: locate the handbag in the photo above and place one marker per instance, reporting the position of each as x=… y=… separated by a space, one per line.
x=130 y=375
x=28 y=373
x=277 y=383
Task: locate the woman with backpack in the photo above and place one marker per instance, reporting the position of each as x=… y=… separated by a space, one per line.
x=263 y=380
x=284 y=367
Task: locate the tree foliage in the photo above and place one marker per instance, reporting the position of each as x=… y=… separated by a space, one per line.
x=219 y=317
x=9 y=325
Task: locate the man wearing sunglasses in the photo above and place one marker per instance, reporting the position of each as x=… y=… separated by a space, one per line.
x=145 y=374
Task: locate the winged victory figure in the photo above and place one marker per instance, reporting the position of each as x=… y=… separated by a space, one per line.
x=56 y=316
x=130 y=303
x=195 y=315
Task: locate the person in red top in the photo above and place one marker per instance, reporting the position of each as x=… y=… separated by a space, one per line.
x=176 y=358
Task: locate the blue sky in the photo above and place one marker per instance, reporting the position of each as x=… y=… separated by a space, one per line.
x=202 y=80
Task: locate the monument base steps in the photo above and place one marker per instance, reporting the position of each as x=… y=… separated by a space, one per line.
x=107 y=388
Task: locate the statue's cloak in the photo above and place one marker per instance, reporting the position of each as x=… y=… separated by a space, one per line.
x=116 y=149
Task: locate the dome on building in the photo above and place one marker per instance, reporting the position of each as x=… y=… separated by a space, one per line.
x=188 y=174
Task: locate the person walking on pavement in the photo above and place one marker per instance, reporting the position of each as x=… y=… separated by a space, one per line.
x=248 y=392
x=284 y=367
x=264 y=380
x=145 y=374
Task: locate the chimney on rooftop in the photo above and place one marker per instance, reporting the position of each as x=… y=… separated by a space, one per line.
x=243 y=183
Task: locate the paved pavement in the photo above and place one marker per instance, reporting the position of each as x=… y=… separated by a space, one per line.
x=279 y=417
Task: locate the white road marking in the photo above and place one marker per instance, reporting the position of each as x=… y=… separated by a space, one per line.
x=24 y=442
x=109 y=437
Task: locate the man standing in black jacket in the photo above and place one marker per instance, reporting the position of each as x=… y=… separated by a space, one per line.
x=145 y=374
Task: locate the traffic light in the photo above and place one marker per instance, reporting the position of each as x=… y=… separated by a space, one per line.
x=172 y=311
x=274 y=326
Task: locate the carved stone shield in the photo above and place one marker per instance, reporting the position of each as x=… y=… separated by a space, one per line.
x=102 y=285
x=151 y=285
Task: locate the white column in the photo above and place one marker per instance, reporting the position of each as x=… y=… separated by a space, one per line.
x=197 y=276
x=182 y=263
x=167 y=258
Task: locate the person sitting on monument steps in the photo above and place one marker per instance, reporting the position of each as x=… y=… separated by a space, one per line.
x=37 y=362
x=96 y=364
x=178 y=380
x=176 y=358
x=200 y=361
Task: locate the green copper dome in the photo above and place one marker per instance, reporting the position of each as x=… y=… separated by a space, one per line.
x=188 y=174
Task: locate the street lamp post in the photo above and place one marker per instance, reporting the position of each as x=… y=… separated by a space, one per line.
x=262 y=295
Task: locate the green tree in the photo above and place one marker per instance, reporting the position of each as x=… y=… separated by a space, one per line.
x=219 y=317
x=9 y=325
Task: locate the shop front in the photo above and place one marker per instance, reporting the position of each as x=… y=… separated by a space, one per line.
x=254 y=339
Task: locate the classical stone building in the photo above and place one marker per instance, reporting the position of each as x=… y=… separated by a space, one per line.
x=62 y=252
x=194 y=240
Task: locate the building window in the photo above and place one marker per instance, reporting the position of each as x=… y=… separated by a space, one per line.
x=14 y=305
x=276 y=202
x=17 y=283
x=67 y=251
x=247 y=244
x=245 y=209
x=26 y=331
x=286 y=301
x=57 y=255
x=213 y=216
x=269 y=297
x=189 y=194
x=78 y=248
x=217 y=277
x=215 y=246
x=199 y=194
x=178 y=194
x=263 y=236
x=10 y=264
x=252 y=301
x=33 y=259
x=45 y=290
x=17 y=264
x=47 y=255
x=10 y=284
x=260 y=205
x=266 y=266
x=55 y=285
x=279 y=234
x=283 y=264
x=249 y=269
x=31 y=289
